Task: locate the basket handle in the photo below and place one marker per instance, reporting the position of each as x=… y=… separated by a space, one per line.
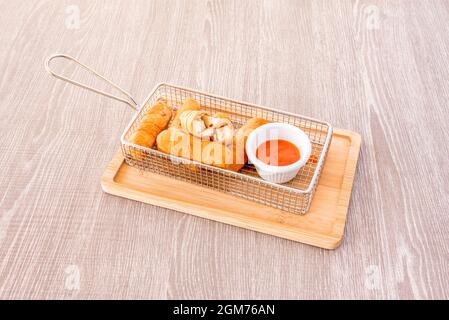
x=131 y=102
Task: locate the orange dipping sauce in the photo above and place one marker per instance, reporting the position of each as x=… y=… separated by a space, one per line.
x=278 y=153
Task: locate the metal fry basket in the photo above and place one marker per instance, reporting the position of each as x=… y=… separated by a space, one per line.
x=294 y=196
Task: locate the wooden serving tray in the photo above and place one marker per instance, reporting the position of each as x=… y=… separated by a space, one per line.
x=323 y=226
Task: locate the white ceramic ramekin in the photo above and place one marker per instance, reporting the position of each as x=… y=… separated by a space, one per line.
x=281 y=131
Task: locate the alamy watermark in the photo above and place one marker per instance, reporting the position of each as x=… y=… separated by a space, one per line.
x=372 y=277
x=72 y=17
x=73 y=278
x=371 y=14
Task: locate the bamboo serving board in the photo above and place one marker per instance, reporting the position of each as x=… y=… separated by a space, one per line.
x=323 y=226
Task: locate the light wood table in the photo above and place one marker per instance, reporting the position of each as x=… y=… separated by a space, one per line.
x=376 y=67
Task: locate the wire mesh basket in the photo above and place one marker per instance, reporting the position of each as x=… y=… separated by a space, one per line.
x=294 y=196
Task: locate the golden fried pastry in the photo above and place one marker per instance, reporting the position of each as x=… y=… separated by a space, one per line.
x=201 y=124
x=248 y=127
x=192 y=121
x=152 y=123
x=179 y=143
x=219 y=128
x=188 y=104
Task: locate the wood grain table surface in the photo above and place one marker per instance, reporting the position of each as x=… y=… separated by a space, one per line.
x=380 y=68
